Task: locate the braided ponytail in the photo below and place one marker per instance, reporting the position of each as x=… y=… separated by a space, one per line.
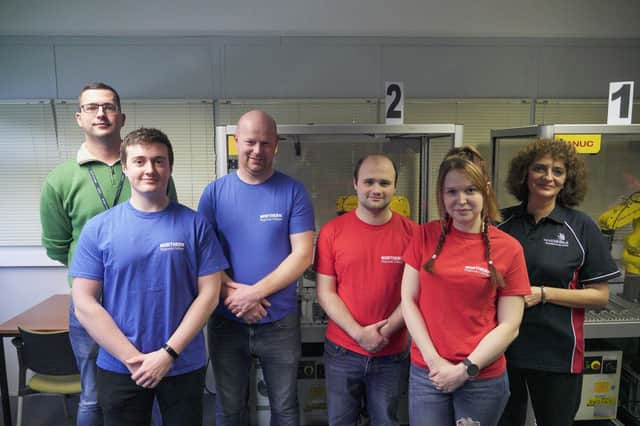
x=443 y=233
x=494 y=275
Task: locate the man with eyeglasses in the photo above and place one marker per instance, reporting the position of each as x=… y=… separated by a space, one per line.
x=73 y=193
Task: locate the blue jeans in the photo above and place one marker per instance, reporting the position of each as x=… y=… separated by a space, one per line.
x=85 y=350
x=276 y=345
x=479 y=401
x=350 y=377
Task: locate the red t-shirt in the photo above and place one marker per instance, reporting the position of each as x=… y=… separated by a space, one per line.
x=367 y=263
x=458 y=302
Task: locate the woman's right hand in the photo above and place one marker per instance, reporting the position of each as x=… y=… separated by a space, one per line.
x=447 y=376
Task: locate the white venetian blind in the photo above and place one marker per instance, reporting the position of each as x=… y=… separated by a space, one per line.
x=478 y=116
x=36 y=136
x=576 y=111
x=302 y=111
x=28 y=151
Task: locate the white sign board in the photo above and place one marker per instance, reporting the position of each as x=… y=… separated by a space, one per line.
x=394 y=102
x=620 y=102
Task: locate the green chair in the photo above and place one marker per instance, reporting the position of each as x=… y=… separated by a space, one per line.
x=49 y=356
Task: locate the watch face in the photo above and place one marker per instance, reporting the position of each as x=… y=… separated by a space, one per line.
x=472 y=370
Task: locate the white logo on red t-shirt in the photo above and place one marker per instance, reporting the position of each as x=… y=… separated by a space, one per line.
x=391 y=259
x=480 y=270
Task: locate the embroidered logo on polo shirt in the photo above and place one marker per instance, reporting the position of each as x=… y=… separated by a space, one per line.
x=172 y=245
x=480 y=270
x=391 y=259
x=559 y=241
x=270 y=217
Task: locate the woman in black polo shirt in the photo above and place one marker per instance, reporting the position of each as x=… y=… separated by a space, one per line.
x=569 y=266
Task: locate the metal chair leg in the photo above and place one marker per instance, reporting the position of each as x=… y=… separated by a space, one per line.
x=66 y=409
x=19 y=416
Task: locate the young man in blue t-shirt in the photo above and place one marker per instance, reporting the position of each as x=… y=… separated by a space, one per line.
x=156 y=266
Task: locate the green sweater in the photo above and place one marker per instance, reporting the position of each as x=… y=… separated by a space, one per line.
x=69 y=199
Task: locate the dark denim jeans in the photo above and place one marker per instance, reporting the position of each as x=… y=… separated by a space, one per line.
x=476 y=402
x=350 y=377
x=276 y=345
x=85 y=350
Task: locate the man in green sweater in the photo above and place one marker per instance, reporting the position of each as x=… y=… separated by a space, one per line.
x=73 y=193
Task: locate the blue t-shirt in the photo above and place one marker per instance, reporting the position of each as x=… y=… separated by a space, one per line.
x=253 y=223
x=149 y=264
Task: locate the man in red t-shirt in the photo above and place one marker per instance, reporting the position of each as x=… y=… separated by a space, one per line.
x=359 y=271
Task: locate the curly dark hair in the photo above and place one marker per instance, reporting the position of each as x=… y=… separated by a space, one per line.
x=575 y=186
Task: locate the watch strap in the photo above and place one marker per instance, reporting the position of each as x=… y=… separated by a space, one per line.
x=170 y=351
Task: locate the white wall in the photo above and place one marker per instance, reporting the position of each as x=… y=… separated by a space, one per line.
x=451 y=18
x=315 y=67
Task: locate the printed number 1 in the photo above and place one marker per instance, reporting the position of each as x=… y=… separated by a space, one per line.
x=623 y=94
x=394 y=90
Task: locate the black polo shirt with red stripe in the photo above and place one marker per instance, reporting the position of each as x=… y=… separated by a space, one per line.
x=566 y=250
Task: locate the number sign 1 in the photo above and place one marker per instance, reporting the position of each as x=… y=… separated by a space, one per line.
x=620 y=102
x=394 y=102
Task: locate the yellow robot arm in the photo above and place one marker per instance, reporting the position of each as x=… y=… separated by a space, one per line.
x=626 y=212
x=618 y=216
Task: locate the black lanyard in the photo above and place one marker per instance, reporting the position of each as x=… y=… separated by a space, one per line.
x=99 y=190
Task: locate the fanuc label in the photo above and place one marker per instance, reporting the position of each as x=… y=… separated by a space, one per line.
x=585 y=144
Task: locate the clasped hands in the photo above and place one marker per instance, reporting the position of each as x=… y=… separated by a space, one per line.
x=244 y=302
x=147 y=370
x=446 y=376
x=373 y=337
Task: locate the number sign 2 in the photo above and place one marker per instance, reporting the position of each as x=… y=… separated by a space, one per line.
x=394 y=102
x=620 y=102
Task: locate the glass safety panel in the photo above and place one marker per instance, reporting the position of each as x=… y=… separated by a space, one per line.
x=438 y=148
x=506 y=149
x=326 y=170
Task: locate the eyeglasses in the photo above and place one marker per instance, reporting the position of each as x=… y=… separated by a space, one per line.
x=93 y=108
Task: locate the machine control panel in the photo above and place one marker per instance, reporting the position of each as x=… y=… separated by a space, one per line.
x=599 y=365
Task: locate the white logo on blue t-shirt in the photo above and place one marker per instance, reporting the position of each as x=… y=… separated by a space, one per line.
x=172 y=245
x=269 y=217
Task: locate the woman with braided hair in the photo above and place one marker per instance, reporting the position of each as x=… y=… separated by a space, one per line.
x=462 y=300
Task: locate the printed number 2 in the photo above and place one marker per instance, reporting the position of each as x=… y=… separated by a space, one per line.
x=394 y=90
x=623 y=94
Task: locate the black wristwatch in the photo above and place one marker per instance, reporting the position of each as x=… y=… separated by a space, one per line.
x=472 y=369
x=170 y=351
